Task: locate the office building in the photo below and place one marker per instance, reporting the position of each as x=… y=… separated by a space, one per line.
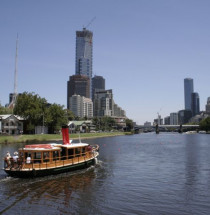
x=98 y=83
x=78 y=85
x=208 y=106
x=81 y=106
x=195 y=105
x=173 y=118
x=184 y=116
x=167 y=120
x=103 y=103
x=188 y=90
x=84 y=50
x=118 y=111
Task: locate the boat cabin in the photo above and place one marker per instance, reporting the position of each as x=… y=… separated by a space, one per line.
x=51 y=155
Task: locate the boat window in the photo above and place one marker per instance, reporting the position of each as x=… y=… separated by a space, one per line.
x=77 y=152
x=37 y=157
x=63 y=154
x=55 y=155
x=46 y=156
x=83 y=150
x=70 y=153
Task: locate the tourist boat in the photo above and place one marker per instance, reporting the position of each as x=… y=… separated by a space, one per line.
x=48 y=159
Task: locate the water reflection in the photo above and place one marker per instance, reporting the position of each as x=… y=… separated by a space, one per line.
x=59 y=188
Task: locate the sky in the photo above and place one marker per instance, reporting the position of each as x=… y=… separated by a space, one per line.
x=143 y=48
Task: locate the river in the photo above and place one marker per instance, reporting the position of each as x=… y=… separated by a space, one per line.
x=167 y=173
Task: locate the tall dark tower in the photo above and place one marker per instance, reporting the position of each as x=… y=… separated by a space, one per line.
x=188 y=90
x=195 y=106
x=98 y=83
x=78 y=85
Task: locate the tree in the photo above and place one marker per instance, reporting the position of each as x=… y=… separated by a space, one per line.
x=205 y=124
x=129 y=124
x=36 y=111
x=70 y=115
x=57 y=117
x=5 y=110
x=104 y=123
x=32 y=108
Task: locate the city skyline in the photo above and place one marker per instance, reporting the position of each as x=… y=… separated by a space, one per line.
x=143 y=49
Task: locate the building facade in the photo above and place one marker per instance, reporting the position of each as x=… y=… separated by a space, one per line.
x=11 y=124
x=84 y=53
x=173 y=118
x=98 y=83
x=103 y=103
x=184 y=116
x=195 y=105
x=81 y=106
x=208 y=106
x=188 y=90
x=167 y=120
x=79 y=85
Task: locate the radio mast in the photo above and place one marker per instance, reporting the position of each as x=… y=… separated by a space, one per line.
x=14 y=96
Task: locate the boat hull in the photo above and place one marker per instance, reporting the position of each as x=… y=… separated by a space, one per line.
x=31 y=173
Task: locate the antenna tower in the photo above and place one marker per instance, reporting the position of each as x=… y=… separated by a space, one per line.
x=14 y=96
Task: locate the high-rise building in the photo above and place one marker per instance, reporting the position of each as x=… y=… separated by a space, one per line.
x=103 y=103
x=195 y=105
x=188 y=90
x=81 y=106
x=84 y=52
x=184 y=116
x=208 y=106
x=167 y=120
x=173 y=118
x=78 y=85
x=98 y=83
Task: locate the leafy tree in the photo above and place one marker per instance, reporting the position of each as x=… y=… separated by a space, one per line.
x=31 y=107
x=5 y=110
x=70 y=115
x=36 y=111
x=205 y=124
x=129 y=124
x=57 y=117
x=104 y=123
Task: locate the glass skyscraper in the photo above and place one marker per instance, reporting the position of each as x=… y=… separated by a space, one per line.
x=195 y=106
x=84 y=52
x=188 y=90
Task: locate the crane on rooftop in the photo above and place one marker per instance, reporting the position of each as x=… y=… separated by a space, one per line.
x=91 y=21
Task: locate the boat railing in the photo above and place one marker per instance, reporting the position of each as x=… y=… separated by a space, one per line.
x=38 y=163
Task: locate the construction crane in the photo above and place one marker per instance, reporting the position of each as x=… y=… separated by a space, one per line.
x=91 y=21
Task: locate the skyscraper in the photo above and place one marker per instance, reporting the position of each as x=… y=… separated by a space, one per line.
x=208 y=106
x=103 y=103
x=188 y=90
x=84 y=50
x=98 y=83
x=195 y=106
x=78 y=85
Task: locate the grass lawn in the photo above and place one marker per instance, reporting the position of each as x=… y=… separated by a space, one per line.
x=52 y=137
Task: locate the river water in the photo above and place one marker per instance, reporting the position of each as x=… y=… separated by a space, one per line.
x=139 y=174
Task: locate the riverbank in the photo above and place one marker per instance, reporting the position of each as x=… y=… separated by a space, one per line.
x=54 y=137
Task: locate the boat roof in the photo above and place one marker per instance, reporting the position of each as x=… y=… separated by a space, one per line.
x=74 y=145
x=42 y=146
x=52 y=146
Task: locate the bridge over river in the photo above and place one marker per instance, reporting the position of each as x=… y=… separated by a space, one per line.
x=157 y=127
